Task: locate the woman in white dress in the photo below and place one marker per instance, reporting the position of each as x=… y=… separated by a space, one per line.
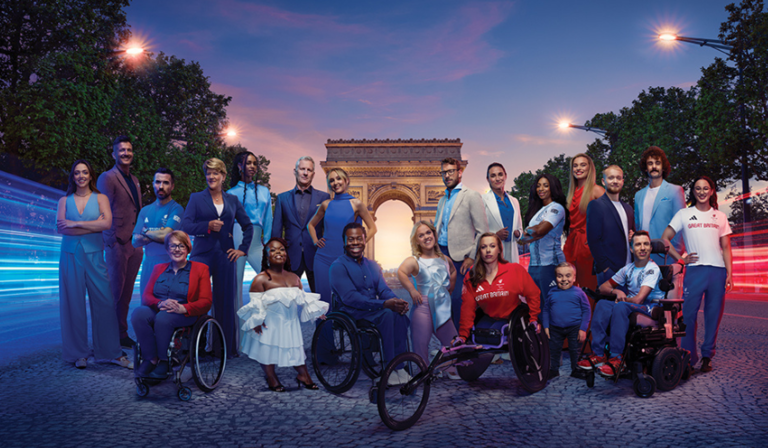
x=271 y=319
x=434 y=278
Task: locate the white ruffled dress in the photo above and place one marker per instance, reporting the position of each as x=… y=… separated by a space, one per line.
x=281 y=343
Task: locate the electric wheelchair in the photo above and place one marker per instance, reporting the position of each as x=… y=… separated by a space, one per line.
x=401 y=406
x=651 y=356
x=201 y=345
x=355 y=346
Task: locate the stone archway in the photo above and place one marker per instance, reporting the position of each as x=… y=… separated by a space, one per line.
x=403 y=170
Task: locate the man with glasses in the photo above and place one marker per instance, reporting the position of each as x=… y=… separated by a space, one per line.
x=460 y=221
x=155 y=222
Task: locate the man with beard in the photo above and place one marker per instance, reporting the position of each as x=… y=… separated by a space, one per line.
x=123 y=260
x=610 y=225
x=155 y=222
x=293 y=210
x=656 y=204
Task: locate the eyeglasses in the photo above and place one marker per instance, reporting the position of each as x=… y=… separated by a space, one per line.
x=177 y=247
x=448 y=172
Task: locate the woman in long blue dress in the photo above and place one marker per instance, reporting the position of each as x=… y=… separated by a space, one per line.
x=82 y=268
x=335 y=213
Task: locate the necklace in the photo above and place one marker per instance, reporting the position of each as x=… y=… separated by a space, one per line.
x=82 y=195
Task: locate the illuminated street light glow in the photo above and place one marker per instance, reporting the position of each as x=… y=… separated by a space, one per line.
x=134 y=51
x=231 y=133
x=564 y=125
x=668 y=36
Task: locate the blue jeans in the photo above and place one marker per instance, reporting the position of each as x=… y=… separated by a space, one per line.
x=616 y=316
x=708 y=283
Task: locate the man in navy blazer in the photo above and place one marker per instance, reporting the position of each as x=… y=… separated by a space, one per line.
x=293 y=210
x=610 y=224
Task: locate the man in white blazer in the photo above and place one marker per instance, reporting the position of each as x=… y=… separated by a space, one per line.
x=460 y=222
x=502 y=211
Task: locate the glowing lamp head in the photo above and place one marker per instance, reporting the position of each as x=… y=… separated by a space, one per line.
x=231 y=133
x=133 y=51
x=668 y=36
x=564 y=125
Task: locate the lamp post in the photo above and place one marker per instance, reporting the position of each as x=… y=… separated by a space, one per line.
x=726 y=49
x=601 y=132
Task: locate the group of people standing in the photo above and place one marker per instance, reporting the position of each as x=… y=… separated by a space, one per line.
x=463 y=262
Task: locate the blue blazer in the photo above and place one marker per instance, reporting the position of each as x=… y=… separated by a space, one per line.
x=670 y=200
x=605 y=233
x=296 y=234
x=200 y=210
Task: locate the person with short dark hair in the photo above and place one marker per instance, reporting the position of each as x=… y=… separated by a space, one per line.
x=363 y=294
x=460 y=221
x=155 y=221
x=502 y=211
x=123 y=259
x=177 y=293
x=709 y=266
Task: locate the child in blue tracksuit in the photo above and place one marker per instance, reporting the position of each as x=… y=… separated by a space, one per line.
x=565 y=313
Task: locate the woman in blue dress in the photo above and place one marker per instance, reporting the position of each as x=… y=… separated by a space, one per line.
x=257 y=202
x=210 y=216
x=335 y=213
x=82 y=268
x=545 y=221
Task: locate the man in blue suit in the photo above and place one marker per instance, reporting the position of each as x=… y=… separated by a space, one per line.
x=293 y=210
x=610 y=224
x=656 y=204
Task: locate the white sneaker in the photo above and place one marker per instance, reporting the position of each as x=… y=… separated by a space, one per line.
x=399 y=377
x=452 y=374
x=81 y=363
x=123 y=362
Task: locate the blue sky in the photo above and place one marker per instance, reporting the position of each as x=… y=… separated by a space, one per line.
x=498 y=75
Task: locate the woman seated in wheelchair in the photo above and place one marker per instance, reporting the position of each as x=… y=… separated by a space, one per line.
x=176 y=294
x=635 y=286
x=494 y=285
x=271 y=319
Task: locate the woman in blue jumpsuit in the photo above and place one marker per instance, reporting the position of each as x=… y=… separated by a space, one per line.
x=210 y=216
x=82 y=268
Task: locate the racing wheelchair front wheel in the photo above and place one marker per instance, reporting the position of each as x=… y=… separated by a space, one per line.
x=401 y=405
x=208 y=353
x=528 y=351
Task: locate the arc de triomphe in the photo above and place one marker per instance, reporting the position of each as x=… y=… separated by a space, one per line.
x=400 y=170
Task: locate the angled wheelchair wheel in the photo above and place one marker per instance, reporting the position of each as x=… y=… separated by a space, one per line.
x=528 y=351
x=667 y=368
x=401 y=406
x=473 y=371
x=336 y=340
x=208 y=353
x=644 y=385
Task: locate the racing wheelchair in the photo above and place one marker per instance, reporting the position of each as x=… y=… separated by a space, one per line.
x=355 y=345
x=651 y=356
x=201 y=345
x=401 y=406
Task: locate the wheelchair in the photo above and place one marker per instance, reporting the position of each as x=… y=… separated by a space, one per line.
x=651 y=356
x=356 y=347
x=401 y=406
x=203 y=346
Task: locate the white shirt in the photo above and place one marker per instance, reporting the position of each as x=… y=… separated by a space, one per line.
x=702 y=232
x=650 y=198
x=623 y=216
x=219 y=208
x=548 y=250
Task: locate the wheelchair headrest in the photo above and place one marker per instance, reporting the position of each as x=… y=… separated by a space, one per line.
x=658 y=247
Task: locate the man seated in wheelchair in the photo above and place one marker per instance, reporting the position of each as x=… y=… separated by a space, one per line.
x=635 y=286
x=494 y=285
x=360 y=286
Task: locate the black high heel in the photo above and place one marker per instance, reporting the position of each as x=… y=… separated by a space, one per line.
x=310 y=385
x=278 y=388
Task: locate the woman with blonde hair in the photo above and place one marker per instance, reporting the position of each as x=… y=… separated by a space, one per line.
x=581 y=190
x=428 y=276
x=210 y=217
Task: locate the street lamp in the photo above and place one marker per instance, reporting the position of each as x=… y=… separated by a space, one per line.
x=132 y=51
x=566 y=125
x=726 y=49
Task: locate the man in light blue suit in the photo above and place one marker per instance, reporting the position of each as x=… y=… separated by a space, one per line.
x=656 y=204
x=293 y=210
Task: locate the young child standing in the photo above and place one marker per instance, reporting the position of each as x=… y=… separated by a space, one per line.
x=565 y=314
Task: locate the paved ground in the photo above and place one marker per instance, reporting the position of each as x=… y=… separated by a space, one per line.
x=48 y=403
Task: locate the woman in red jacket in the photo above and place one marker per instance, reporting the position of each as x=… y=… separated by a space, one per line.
x=494 y=285
x=176 y=294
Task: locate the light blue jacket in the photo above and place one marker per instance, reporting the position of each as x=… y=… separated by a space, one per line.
x=669 y=201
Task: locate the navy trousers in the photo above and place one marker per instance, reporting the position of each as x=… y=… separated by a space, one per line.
x=155 y=329
x=224 y=276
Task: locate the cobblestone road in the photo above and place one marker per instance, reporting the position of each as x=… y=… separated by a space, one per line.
x=48 y=403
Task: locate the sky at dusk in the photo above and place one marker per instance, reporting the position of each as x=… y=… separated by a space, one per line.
x=497 y=75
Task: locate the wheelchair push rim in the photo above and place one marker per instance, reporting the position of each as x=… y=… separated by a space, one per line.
x=401 y=406
x=208 y=354
x=528 y=351
x=339 y=374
